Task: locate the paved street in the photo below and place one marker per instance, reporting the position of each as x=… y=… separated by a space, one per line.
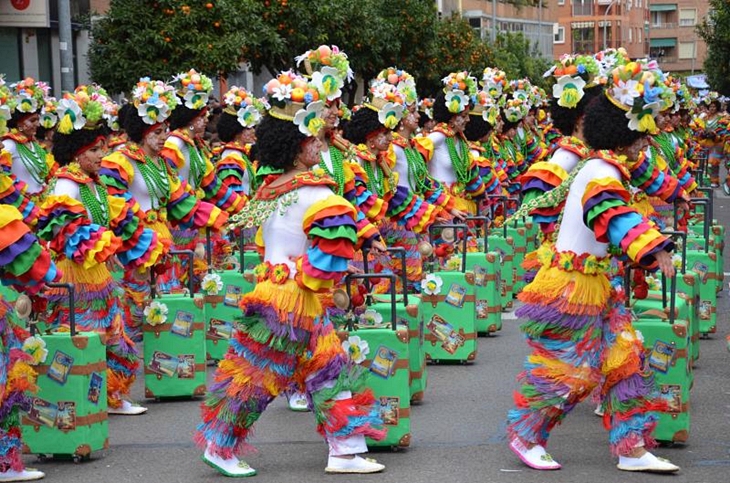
x=458 y=431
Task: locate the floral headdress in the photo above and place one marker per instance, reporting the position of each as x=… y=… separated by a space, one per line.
x=385 y=99
x=425 y=106
x=111 y=108
x=494 y=81
x=193 y=88
x=29 y=95
x=608 y=60
x=242 y=104
x=636 y=88
x=154 y=100
x=49 y=118
x=295 y=100
x=515 y=101
x=6 y=111
x=515 y=109
x=460 y=89
x=486 y=107
x=404 y=83
x=573 y=74
x=710 y=97
x=79 y=111
x=328 y=69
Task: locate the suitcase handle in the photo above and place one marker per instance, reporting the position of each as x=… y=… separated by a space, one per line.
x=455 y=227
x=672 y=298
x=683 y=236
x=485 y=221
x=71 y=303
x=366 y=276
x=401 y=253
x=518 y=200
x=191 y=273
x=710 y=199
x=209 y=249
x=503 y=200
x=706 y=219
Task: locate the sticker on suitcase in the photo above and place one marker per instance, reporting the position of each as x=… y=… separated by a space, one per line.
x=672 y=394
x=389 y=410
x=95 y=384
x=445 y=333
x=661 y=357
x=480 y=276
x=233 y=296
x=60 y=367
x=186 y=366
x=43 y=413
x=456 y=295
x=164 y=364
x=66 y=416
x=482 y=309
x=183 y=324
x=383 y=363
x=220 y=329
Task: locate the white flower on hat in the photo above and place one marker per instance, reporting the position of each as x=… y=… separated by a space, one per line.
x=282 y=92
x=328 y=82
x=456 y=101
x=356 y=348
x=248 y=116
x=26 y=103
x=569 y=91
x=643 y=121
x=625 y=92
x=67 y=108
x=195 y=100
x=153 y=111
x=390 y=115
x=310 y=120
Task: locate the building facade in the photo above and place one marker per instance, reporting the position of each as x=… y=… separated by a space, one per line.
x=673 y=39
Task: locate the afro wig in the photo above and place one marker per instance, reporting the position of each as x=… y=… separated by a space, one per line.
x=182 y=116
x=278 y=142
x=362 y=124
x=565 y=119
x=228 y=127
x=605 y=126
x=476 y=128
x=67 y=146
x=125 y=111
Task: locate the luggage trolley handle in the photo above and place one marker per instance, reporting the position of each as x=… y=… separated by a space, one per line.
x=518 y=200
x=366 y=276
x=191 y=272
x=485 y=221
x=706 y=218
x=401 y=253
x=455 y=227
x=503 y=200
x=710 y=200
x=683 y=236
x=71 y=303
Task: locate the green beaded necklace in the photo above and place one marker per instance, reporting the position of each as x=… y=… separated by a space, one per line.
x=252 y=185
x=197 y=166
x=374 y=184
x=99 y=207
x=34 y=160
x=417 y=171
x=459 y=160
x=158 y=184
x=338 y=171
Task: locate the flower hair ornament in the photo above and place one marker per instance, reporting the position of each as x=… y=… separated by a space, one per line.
x=515 y=109
x=403 y=82
x=326 y=56
x=425 y=106
x=6 y=110
x=29 y=95
x=636 y=89
x=48 y=117
x=242 y=104
x=573 y=74
x=295 y=100
x=154 y=100
x=79 y=111
x=387 y=101
x=97 y=93
x=193 y=88
x=494 y=81
x=608 y=60
x=460 y=88
x=486 y=107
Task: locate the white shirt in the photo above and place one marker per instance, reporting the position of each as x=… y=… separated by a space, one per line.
x=18 y=168
x=440 y=166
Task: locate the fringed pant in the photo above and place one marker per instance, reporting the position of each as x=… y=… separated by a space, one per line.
x=714 y=160
x=281 y=343
x=99 y=309
x=17 y=380
x=581 y=336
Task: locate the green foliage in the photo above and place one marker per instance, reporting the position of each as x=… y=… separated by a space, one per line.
x=159 y=38
x=715 y=30
x=518 y=58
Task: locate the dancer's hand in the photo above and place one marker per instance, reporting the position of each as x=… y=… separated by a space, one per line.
x=377 y=246
x=458 y=214
x=664 y=260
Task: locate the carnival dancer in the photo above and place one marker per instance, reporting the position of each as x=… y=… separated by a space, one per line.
x=89 y=231
x=710 y=135
x=578 y=327
x=31 y=165
x=482 y=118
x=27 y=267
x=451 y=162
x=137 y=171
x=282 y=318
x=47 y=123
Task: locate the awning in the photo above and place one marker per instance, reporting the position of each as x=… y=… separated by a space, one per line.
x=663 y=7
x=669 y=42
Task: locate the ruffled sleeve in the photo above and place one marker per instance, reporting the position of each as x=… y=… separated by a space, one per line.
x=140 y=247
x=330 y=224
x=187 y=212
x=607 y=212
x=646 y=175
x=26 y=265
x=232 y=170
x=11 y=195
x=405 y=207
x=221 y=195
x=487 y=173
x=64 y=223
x=475 y=186
x=117 y=173
x=370 y=209
x=172 y=154
x=424 y=145
x=540 y=178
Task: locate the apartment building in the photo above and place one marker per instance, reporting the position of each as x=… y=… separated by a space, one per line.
x=674 y=40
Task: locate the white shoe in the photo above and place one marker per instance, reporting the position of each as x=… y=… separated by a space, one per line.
x=298 y=402
x=232 y=467
x=357 y=464
x=128 y=409
x=648 y=463
x=599 y=410
x=28 y=474
x=535 y=457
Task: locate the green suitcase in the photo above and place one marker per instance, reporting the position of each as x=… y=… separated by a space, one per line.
x=485 y=272
x=504 y=246
x=449 y=312
x=68 y=416
x=388 y=363
x=174 y=352
x=409 y=314
x=666 y=340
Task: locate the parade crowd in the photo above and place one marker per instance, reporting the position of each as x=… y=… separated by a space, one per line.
x=99 y=195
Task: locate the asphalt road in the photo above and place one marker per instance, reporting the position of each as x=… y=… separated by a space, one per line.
x=458 y=430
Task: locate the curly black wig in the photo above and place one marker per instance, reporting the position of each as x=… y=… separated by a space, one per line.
x=228 y=127
x=136 y=128
x=605 y=126
x=441 y=112
x=66 y=146
x=565 y=119
x=363 y=123
x=182 y=116
x=506 y=124
x=125 y=111
x=278 y=142
x=477 y=128
x=18 y=116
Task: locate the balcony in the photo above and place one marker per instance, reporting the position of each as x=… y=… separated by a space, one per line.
x=664 y=25
x=666 y=60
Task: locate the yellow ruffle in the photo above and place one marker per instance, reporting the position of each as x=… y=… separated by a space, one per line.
x=553 y=168
x=574 y=293
x=426 y=145
x=179 y=158
x=9 y=214
x=290 y=301
x=103 y=244
x=641 y=243
x=123 y=163
x=462 y=204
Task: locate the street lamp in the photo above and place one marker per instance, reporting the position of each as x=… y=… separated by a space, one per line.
x=605 y=15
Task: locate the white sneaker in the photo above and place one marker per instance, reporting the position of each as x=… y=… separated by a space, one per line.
x=298 y=402
x=535 y=457
x=648 y=463
x=599 y=410
x=128 y=409
x=28 y=474
x=357 y=464
x=232 y=467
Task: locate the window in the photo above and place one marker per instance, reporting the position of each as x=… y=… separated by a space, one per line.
x=582 y=7
x=559 y=36
x=583 y=40
x=687 y=17
x=561 y=2
x=686 y=50
x=638 y=34
x=631 y=37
